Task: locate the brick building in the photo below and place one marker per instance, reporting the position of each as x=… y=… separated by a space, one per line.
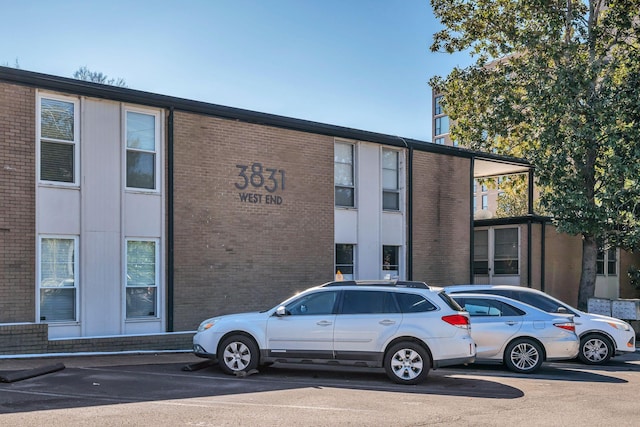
x=128 y=217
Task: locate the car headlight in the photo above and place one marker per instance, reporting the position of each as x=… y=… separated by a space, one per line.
x=620 y=326
x=207 y=324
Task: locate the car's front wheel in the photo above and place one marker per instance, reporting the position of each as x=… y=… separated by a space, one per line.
x=595 y=349
x=523 y=356
x=407 y=363
x=238 y=353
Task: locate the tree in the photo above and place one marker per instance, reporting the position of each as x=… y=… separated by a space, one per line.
x=15 y=65
x=554 y=82
x=83 y=73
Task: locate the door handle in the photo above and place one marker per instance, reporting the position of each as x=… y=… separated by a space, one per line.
x=324 y=323
x=387 y=322
x=511 y=323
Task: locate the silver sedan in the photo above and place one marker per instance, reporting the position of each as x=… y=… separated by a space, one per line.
x=517 y=334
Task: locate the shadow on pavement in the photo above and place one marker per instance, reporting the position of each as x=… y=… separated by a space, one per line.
x=77 y=387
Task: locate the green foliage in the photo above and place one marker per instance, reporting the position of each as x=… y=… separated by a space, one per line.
x=15 y=65
x=555 y=82
x=634 y=276
x=83 y=73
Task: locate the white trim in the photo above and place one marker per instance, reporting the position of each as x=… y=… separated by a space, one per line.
x=158 y=149
x=159 y=288
x=76 y=276
x=76 y=138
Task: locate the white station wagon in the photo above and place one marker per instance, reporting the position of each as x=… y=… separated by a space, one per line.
x=405 y=327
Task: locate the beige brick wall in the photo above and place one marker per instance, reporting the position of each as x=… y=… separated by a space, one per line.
x=563 y=265
x=235 y=256
x=441 y=215
x=17 y=203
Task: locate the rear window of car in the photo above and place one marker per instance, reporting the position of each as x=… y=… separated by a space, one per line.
x=540 y=301
x=413 y=303
x=488 y=307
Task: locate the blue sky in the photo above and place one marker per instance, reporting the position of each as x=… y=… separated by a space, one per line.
x=363 y=64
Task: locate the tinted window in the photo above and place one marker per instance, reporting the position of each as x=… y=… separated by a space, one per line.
x=414 y=303
x=367 y=302
x=487 y=307
x=542 y=302
x=315 y=303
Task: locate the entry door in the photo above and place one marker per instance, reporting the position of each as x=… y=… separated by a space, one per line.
x=497 y=256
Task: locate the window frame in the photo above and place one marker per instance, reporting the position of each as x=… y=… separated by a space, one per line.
x=437 y=105
x=75 y=142
x=157 y=277
x=387 y=267
x=336 y=266
x=157 y=152
x=438 y=125
x=76 y=278
x=395 y=191
x=352 y=187
x=606 y=261
x=517 y=256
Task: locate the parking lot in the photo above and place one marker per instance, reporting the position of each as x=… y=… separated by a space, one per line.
x=155 y=390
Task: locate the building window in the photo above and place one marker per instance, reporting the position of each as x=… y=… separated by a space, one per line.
x=437 y=110
x=343 y=175
x=439 y=141
x=442 y=125
x=58 y=137
x=390 y=262
x=481 y=252
x=57 y=279
x=485 y=202
x=142 y=145
x=390 y=177
x=455 y=143
x=505 y=258
x=344 y=262
x=607 y=257
x=142 y=278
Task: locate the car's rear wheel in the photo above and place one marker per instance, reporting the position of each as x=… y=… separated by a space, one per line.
x=595 y=349
x=238 y=353
x=523 y=356
x=407 y=363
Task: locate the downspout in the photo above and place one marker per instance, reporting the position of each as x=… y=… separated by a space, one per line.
x=170 y=219
x=529 y=242
x=472 y=228
x=410 y=214
x=409 y=193
x=542 y=253
x=529 y=254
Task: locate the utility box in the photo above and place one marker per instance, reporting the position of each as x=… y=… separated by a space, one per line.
x=626 y=309
x=599 y=306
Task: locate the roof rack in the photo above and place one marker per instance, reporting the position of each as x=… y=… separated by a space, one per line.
x=387 y=283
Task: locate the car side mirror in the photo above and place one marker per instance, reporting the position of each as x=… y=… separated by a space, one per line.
x=561 y=310
x=281 y=311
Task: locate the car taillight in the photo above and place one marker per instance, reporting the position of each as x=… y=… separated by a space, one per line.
x=457 y=320
x=568 y=326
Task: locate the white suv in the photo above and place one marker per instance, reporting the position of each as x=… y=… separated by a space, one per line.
x=405 y=327
x=601 y=337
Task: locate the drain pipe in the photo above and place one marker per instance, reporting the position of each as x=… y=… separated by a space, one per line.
x=170 y=218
